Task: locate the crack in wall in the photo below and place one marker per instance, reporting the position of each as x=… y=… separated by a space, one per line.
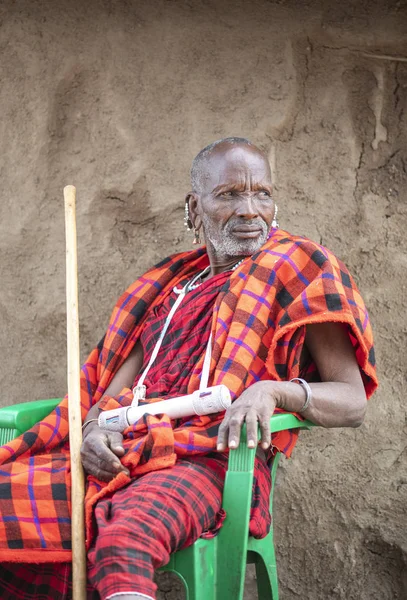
x=357 y=172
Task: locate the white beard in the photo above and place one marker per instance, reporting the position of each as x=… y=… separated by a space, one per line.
x=224 y=241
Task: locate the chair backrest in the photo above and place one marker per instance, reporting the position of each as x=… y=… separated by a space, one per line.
x=16 y=419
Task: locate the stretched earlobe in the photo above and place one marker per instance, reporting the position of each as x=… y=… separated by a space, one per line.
x=192 y=219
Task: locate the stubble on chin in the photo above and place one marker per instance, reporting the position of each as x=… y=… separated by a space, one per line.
x=224 y=241
x=234 y=247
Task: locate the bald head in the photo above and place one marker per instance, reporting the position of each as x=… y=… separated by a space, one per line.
x=202 y=163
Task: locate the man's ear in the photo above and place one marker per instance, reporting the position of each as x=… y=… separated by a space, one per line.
x=192 y=202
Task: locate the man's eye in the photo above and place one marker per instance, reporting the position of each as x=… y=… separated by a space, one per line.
x=227 y=194
x=265 y=194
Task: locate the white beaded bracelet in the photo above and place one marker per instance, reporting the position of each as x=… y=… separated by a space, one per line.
x=308 y=393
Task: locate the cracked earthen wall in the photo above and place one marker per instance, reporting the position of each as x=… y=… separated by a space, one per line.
x=117 y=98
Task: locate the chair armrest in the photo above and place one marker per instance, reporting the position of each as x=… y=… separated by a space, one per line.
x=237 y=496
x=240 y=471
x=242 y=458
x=282 y=421
x=18 y=418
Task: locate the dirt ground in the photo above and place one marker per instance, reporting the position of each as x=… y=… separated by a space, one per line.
x=116 y=97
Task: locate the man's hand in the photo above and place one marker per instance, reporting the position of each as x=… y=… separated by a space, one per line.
x=100 y=453
x=255 y=407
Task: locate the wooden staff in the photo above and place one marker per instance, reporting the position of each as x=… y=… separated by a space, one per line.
x=74 y=403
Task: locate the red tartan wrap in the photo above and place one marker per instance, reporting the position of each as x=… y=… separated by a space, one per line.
x=258 y=331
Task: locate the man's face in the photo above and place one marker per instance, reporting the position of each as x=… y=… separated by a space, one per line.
x=235 y=206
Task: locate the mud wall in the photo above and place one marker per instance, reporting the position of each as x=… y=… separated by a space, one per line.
x=117 y=98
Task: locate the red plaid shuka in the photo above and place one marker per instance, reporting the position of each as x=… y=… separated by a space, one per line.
x=169 y=375
x=141 y=525
x=258 y=331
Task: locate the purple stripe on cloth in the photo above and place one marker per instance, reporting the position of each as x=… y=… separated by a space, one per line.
x=280 y=255
x=254 y=375
x=143 y=282
x=43 y=520
x=191 y=447
x=55 y=428
x=289 y=441
x=7 y=474
x=160 y=425
x=137 y=446
x=43 y=469
x=224 y=326
x=263 y=371
x=285 y=257
x=305 y=303
x=51 y=470
x=242 y=344
x=258 y=298
x=238 y=344
x=366 y=321
x=88 y=384
x=33 y=503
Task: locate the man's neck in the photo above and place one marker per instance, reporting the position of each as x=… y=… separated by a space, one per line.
x=219 y=264
x=226 y=266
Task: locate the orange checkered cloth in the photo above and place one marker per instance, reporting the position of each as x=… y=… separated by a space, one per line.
x=258 y=329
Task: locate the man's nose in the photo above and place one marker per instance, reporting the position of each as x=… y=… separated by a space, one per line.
x=247 y=207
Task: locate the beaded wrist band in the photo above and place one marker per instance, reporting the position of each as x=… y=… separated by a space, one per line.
x=87 y=423
x=308 y=392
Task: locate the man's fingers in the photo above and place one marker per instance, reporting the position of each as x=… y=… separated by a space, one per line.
x=105 y=471
x=115 y=442
x=229 y=431
x=265 y=439
x=251 y=428
x=92 y=464
x=230 y=428
x=103 y=455
x=223 y=434
x=97 y=456
x=235 y=425
x=101 y=474
x=254 y=407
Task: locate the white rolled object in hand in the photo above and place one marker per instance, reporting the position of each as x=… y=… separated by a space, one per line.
x=202 y=402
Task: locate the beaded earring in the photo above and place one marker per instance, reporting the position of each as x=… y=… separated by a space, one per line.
x=190 y=227
x=274 y=222
x=187 y=218
x=197 y=237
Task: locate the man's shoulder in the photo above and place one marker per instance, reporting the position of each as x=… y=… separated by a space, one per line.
x=174 y=259
x=285 y=243
x=162 y=273
x=282 y=237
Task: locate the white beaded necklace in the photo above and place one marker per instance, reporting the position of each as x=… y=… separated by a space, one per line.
x=192 y=285
x=139 y=391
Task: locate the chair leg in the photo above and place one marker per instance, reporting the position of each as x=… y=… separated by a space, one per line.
x=267 y=582
x=196 y=568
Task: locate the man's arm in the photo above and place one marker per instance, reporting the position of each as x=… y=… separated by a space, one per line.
x=338 y=401
x=101 y=449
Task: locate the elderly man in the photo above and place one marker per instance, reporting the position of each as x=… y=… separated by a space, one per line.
x=284 y=328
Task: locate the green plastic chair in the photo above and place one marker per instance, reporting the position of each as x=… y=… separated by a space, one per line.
x=210 y=569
